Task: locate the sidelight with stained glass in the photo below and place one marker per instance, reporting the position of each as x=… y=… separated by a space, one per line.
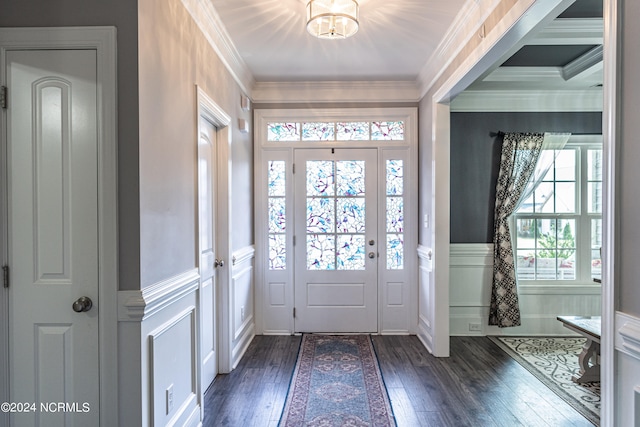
x=276 y=191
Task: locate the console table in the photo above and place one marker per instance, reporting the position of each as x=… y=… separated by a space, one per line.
x=589 y=358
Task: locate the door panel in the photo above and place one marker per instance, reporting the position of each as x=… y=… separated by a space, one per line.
x=206 y=220
x=53 y=234
x=336 y=240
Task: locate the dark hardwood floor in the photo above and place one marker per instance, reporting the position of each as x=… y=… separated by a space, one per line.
x=479 y=385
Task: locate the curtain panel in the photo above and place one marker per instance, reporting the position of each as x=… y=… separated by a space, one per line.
x=520 y=153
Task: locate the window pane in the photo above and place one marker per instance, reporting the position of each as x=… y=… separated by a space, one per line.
x=594 y=165
x=277 y=252
x=525 y=233
x=395 y=216
x=527 y=205
x=546 y=233
x=320 y=178
x=566 y=265
x=545 y=264
x=395 y=253
x=543 y=197
x=594 y=198
x=525 y=265
x=321 y=252
x=351 y=215
x=276 y=178
x=566 y=165
x=283 y=132
x=565 y=197
x=353 y=131
x=320 y=215
x=394 y=177
x=350 y=178
x=596 y=244
x=387 y=131
x=350 y=252
x=318 y=131
x=277 y=219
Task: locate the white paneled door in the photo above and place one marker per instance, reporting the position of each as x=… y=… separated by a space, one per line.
x=52 y=194
x=207 y=250
x=336 y=247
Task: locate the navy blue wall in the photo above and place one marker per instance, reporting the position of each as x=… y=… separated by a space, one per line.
x=475 y=160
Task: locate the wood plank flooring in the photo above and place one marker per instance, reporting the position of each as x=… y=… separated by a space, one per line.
x=479 y=385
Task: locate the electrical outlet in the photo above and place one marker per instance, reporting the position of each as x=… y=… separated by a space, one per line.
x=170 y=398
x=475 y=327
x=242 y=314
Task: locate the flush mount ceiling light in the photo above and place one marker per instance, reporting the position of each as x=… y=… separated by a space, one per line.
x=332 y=19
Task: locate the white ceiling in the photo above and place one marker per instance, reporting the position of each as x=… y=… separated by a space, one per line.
x=395 y=40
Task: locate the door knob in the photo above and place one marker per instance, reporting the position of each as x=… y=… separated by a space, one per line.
x=82 y=304
x=372 y=255
x=372 y=242
x=218 y=263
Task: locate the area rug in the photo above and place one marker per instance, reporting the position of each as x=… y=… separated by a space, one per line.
x=554 y=361
x=337 y=382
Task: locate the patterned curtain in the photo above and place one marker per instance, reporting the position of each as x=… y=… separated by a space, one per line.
x=520 y=152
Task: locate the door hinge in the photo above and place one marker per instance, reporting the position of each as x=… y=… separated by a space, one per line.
x=5 y=275
x=3 y=97
x=294 y=312
x=293 y=168
x=294 y=240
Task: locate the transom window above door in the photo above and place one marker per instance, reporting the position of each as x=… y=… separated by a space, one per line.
x=336 y=131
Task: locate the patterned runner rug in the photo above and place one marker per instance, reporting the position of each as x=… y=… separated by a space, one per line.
x=337 y=382
x=554 y=361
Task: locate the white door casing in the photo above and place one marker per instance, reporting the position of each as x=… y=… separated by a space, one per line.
x=280 y=214
x=53 y=234
x=207 y=250
x=336 y=252
x=102 y=42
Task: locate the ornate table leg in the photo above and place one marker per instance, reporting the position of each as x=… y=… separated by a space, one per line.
x=589 y=372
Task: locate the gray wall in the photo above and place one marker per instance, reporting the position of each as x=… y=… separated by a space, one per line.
x=628 y=196
x=475 y=162
x=174 y=58
x=123 y=14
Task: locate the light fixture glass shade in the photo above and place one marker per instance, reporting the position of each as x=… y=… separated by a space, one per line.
x=332 y=19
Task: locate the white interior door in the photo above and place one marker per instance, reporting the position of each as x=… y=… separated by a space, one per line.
x=53 y=236
x=207 y=250
x=336 y=248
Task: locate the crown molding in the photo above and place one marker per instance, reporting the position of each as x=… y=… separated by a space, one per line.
x=588 y=100
x=570 y=31
x=586 y=64
x=209 y=22
x=335 y=91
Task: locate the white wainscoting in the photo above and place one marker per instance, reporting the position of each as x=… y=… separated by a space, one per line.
x=471 y=267
x=159 y=341
x=425 y=295
x=242 y=294
x=627 y=345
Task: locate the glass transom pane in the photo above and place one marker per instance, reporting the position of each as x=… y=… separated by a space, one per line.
x=387 y=131
x=318 y=131
x=283 y=132
x=352 y=131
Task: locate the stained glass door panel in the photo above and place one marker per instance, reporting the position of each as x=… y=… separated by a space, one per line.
x=336 y=243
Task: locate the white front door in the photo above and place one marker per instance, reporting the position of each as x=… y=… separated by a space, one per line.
x=336 y=248
x=52 y=164
x=207 y=250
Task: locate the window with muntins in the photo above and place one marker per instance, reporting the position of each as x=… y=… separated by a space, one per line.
x=558 y=229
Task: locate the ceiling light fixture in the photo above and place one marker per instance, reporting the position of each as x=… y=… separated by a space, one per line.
x=332 y=19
